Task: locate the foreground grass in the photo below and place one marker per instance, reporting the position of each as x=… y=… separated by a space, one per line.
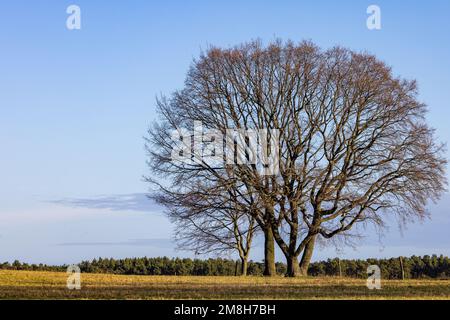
x=52 y=285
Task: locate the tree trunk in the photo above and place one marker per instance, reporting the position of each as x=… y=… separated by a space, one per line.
x=306 y=257
x=269 y=253
x=340 y=267
x=402 y=268
x=244 y=267
x=293 y=268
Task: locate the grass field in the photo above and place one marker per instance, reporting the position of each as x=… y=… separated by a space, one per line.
x=52 y=285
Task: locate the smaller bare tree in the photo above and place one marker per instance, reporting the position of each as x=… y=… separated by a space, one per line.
x=210 y=221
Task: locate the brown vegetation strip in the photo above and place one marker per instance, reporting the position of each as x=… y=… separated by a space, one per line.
x=52 y=285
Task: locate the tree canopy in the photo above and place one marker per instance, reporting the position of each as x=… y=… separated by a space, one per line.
x=346 y=143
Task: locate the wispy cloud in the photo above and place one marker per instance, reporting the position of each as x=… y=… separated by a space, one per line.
x=120 y=202
x=159 y=243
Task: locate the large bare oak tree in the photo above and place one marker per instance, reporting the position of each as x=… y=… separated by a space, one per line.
x=354 y=145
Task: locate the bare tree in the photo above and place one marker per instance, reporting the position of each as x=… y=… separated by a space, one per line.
x=210 y=220
x=353 y=142
x=198 y=191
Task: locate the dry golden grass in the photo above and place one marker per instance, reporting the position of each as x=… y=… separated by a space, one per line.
x=52 y=285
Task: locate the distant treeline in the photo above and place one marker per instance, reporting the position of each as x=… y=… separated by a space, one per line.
x=414 y=267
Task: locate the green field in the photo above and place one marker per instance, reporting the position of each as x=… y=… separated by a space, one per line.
x=52 y=285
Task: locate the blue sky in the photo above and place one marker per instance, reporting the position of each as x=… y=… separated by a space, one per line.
x=74 y=106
